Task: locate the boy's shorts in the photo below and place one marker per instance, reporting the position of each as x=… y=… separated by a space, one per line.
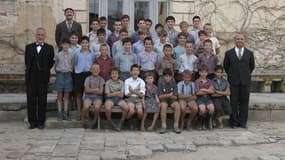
x=168 y=101
x=93 y=97
x=204 y=100
x=114 y=100
x=79 y=79
x=63 y=82
x=222 y=103
x=136 y=101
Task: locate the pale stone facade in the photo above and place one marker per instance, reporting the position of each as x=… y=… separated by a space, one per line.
x=262 y=21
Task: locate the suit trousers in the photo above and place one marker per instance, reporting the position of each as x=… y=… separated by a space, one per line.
x=36 y=98
x=239 y=103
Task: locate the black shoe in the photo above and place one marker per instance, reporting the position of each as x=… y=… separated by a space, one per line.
x=94 y=125
x=41 y=126
x=85 y=125
x=32 y=126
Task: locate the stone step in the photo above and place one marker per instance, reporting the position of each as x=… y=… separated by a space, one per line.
x=262 y=107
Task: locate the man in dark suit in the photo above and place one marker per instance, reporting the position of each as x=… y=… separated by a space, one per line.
x=64 y=29
x=38 y=62
x=239 y=64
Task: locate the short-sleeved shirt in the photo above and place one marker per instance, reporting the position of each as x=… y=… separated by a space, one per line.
x=83 y=61
x=63 y=62
x=199 y=84
x=166 y=63
x=215 y=44
x=222 y=86
x=167 y=87
x=105 y=66
x=186 y=89
x=94 y=82
x=112 y=86
x=211 y=62
x=151 y=92
x=178 y=51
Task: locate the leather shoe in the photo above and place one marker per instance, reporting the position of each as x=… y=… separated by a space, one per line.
x=41 y=127
x=32 y=126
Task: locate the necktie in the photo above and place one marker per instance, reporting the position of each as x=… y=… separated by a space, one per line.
x=239 y=53
x=69 y=27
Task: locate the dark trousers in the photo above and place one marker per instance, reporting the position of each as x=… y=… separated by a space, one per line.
x=36 y=98
x=239 y=103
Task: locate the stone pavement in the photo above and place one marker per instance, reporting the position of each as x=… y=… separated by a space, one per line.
x=262 y=141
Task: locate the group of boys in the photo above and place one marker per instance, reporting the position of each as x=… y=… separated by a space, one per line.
x=105 y=59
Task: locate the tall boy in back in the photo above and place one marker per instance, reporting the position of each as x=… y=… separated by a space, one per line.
x=93 y=90
x=95 y=47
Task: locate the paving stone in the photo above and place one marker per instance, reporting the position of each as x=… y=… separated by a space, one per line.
x=108 y=155
x=268 y=158
x=243 y=141
x=139 y=152
x=65 y=150
x=14 y=155
x=69 y=141
x=136 y=141
x=122 y=149
x=190 y=148
x=174 y=147
x=35 y=157
x=62 y=158
x=88 y=157
x=156 y=147
x=114 y=142
x=244 y=158
x=41 y=149
x=92 y=147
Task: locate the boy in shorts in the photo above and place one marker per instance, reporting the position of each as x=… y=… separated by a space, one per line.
x=167 y=92
x=134 y=91
x=204 y=89
x=114 y=91
x=63 y=82
x=93 y=89
x=187 y=98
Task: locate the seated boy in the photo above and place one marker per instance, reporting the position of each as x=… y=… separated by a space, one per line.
x=220 y=100
x=167 y=93
x=114 y=90
x=204 y=88
x=187 y=98
x=93 y=89
x=134 y=91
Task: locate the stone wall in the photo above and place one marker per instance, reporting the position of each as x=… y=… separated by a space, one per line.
x=263 y=21
x=19 y=20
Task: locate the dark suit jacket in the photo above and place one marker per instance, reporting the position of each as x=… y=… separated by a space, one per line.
x=45 y=59
x=61 y=31
x=239 y=71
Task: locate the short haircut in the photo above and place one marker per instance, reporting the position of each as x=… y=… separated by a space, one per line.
x=149 y=74
x=84 y=38
x=117 y=20
x=67 y=9
x=135 y=66
x=95 y=19
x=158 y=25
x=124 y=30
x=148 y=20
x=195 y=17
x=125 y=16
x=202 y=32
x=187 y=73
x=126 y=40
x=65 y=41
x=115 y=69
x=169 y=18
x=102 y=18
x=208 y=41
x=74 y=34
x=167 y=46
x=101 y=31
x=207 y=24
x=148 y=39
x=167 y=71
x=181 y=34
x=219 y=67
x=162 y=33
x=189 y=42
x=183 y=23
x=203 y=68
x=140 y=19
x=103 y=45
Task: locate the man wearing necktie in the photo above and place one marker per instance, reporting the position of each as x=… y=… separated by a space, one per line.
x=38 y=62
x=239 y=64
x=64 y=29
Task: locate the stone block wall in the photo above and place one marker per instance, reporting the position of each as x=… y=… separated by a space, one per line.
x=263 y=21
